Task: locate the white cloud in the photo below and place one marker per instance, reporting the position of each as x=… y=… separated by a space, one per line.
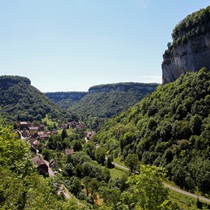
x=150 y=79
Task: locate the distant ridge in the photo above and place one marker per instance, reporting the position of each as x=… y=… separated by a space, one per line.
x=19 y=100
x=103 y=101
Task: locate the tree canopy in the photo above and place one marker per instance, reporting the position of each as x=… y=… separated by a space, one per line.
x=168 y=128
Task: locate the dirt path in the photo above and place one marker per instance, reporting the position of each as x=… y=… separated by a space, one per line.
x=201 y=198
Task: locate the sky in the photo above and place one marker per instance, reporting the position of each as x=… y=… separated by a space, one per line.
x=71 y=45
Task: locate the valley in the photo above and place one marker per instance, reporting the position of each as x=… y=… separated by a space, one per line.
x=121 y=146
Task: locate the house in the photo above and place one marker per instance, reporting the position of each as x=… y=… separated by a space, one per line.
x=33 y=130
x=36 y=143
x=41 y=165
x=54 y=132
x=72 y=124
x=69 y=151
x=23 y=125
x=42 y=135
x=41 y=128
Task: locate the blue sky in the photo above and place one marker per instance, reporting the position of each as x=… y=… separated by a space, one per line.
x=71 y=45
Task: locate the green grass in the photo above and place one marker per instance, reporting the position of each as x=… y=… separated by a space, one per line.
x=116 y=172
x=69 y=131
x=118 y=161
x=183 y=201
x=48 y=121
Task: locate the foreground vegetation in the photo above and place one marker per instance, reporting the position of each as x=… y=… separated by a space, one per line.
x=21 y=187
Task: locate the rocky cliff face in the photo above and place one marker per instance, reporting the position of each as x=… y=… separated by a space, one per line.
x=122 y=87
x=59 y=96
x=76 y=96
x=190 y=56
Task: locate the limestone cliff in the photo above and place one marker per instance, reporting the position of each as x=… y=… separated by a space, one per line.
x=190 y=56
x=124 y=86
x=190 y=49
x=59 y=96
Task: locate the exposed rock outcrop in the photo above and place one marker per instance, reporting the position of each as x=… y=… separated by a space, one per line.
x=190 y=50
x=58 y=96
x=190 y=56
x=103 y=101
x=122 y=87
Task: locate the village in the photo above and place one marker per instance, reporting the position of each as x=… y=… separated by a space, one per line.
x=37 y=136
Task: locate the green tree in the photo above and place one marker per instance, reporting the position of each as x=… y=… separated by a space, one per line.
x=111 y=196
x=147 y=187
x=109 y=162
x=64 y=134
x=196 y=123
x=100 y=155
x=46 y=153
x=90 y=149
x=69 y=169
x=74 y=185
x=77 y=146
x=132 y=162
x=86 y=181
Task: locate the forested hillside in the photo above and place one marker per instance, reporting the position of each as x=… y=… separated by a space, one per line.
x=105 y=101
x=65 y=99
x=19 y=100
x=168 y=128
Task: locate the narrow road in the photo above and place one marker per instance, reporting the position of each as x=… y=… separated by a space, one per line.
x=201 y=198
x=50 y=171
x=66 y=192
x=21 y=136
x=122 y=167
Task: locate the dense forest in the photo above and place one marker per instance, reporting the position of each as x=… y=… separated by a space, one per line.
x=19 y=100
x=195 y=24
x=169 y=128
x=105 y=101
